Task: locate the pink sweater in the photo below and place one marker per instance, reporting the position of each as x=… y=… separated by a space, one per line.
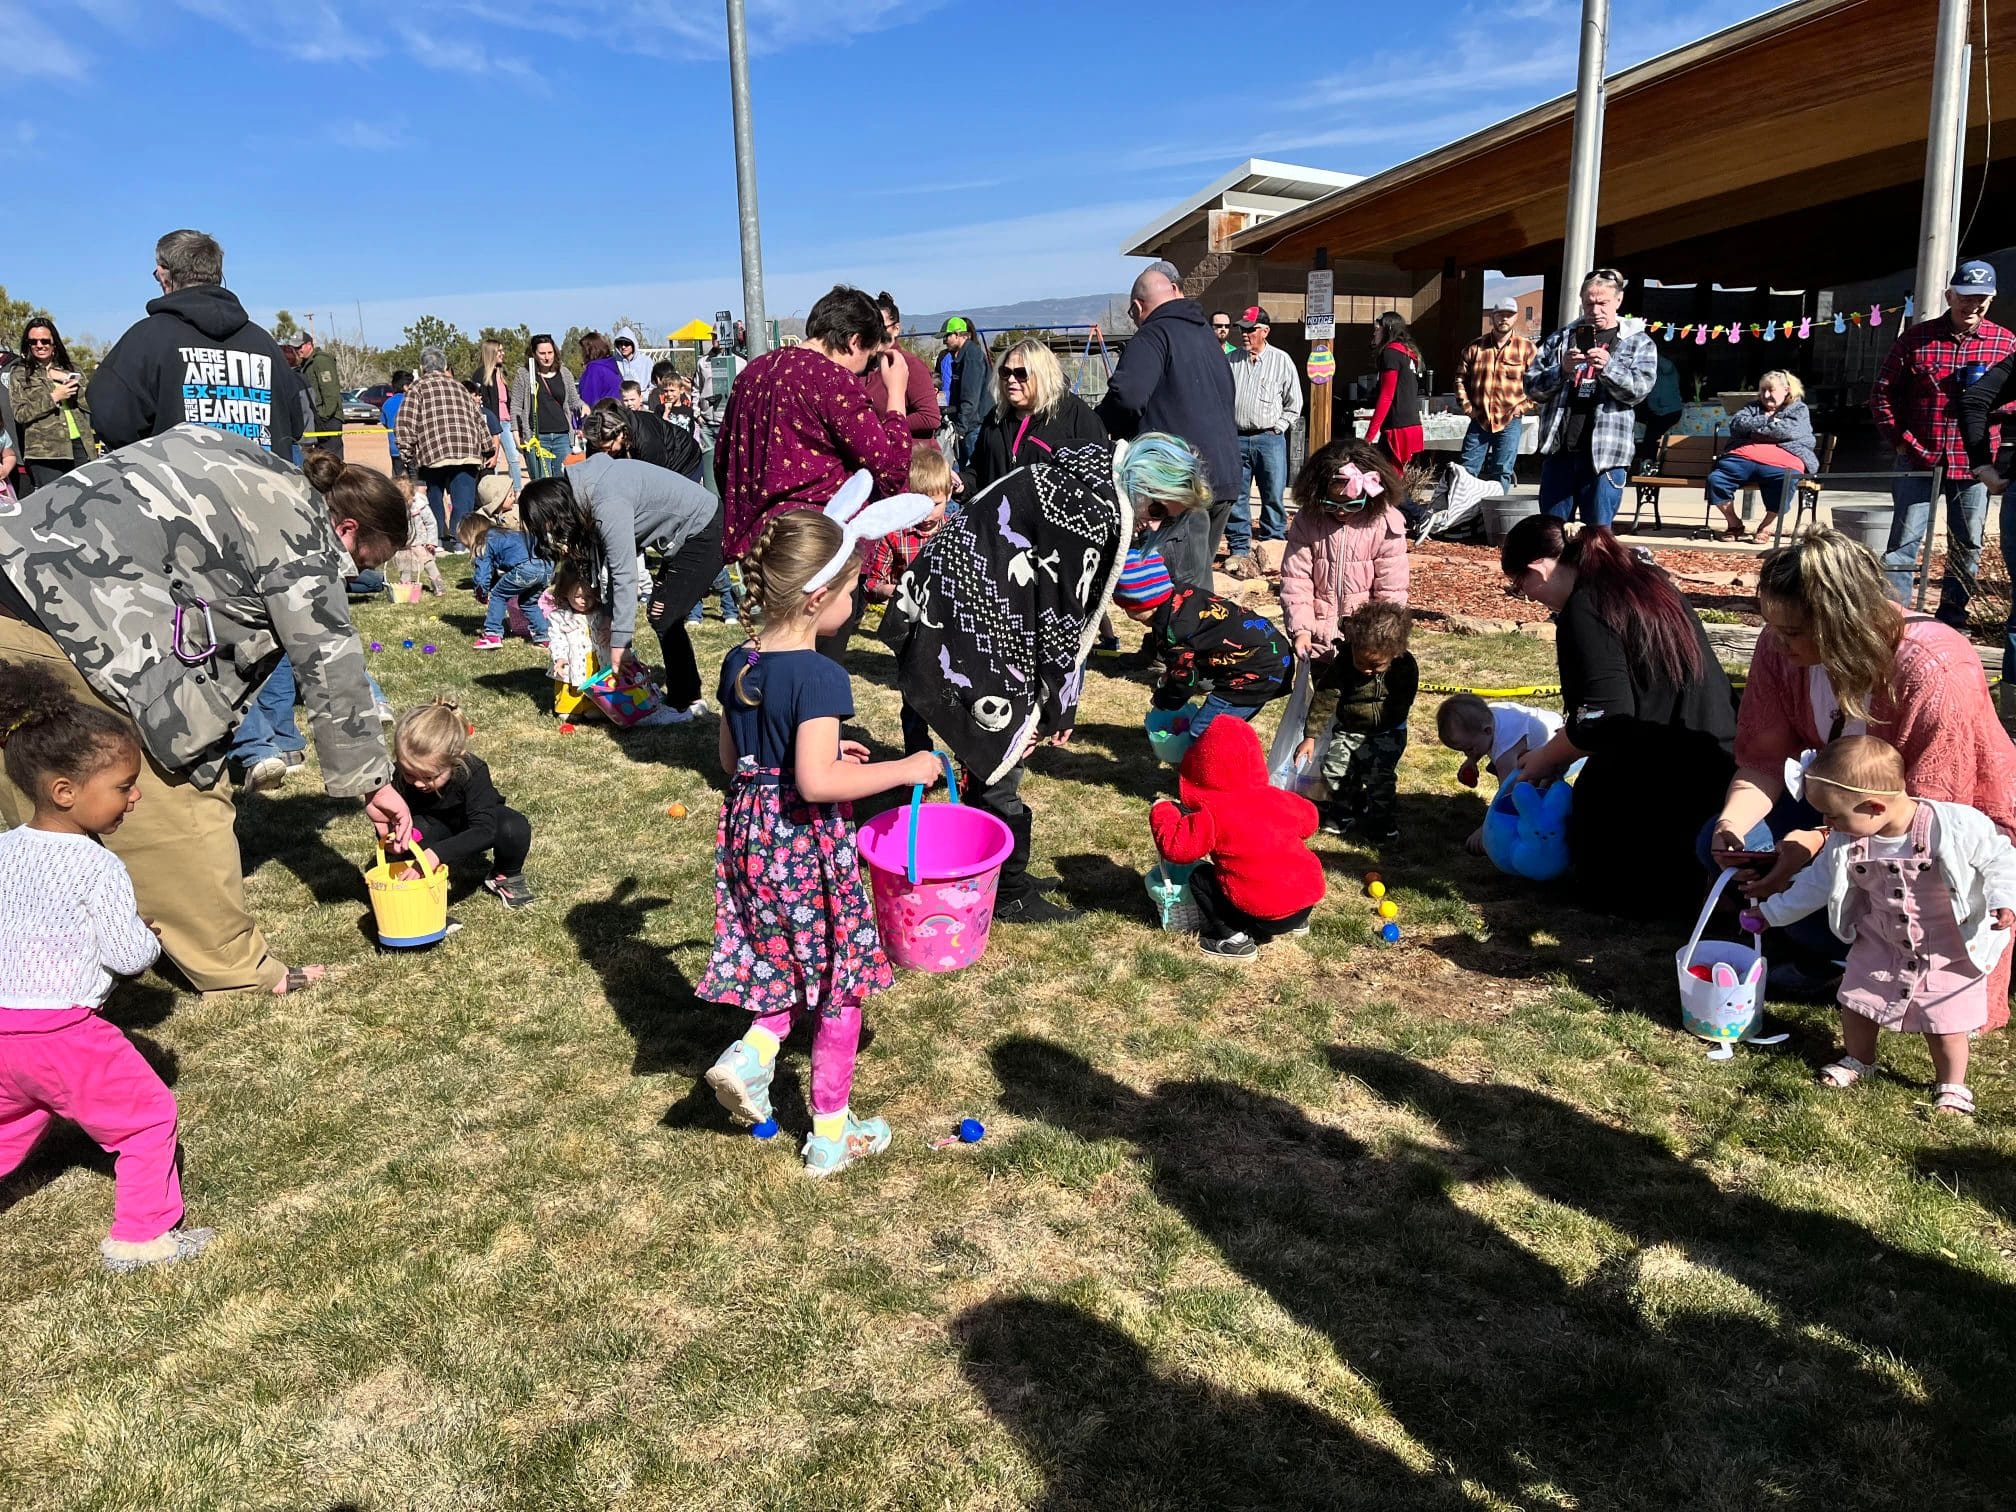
x=1939 y=715
x=1335 y=565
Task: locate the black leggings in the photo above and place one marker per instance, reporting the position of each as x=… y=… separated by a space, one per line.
x=682 y=581
x=1224 y=919
x=514 y=839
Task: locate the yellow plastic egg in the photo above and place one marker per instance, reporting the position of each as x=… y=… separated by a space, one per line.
x=1376 y=890
x=1389 y=909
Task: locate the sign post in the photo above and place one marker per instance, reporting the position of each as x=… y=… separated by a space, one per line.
x=1319 y=325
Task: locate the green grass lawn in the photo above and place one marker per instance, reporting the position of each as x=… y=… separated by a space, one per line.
x=1465 y=1221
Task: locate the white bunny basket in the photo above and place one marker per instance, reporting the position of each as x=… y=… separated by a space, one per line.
x=1726 y=1007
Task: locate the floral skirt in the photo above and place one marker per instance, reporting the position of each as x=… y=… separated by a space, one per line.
x=793 y=927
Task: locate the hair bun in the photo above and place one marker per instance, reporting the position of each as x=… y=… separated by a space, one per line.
x=323 y=468
x=443 y=701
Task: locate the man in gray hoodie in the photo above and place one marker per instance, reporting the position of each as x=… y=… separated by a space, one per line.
x=631 y=361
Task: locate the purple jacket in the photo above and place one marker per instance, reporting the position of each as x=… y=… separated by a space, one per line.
x=601 y=379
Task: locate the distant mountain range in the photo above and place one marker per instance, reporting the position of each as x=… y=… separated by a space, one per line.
x=1109 y=310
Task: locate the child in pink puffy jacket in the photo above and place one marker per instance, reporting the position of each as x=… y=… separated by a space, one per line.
x=1347 y=544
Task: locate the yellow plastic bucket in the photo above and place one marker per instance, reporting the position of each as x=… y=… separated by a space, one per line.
x=411 y=911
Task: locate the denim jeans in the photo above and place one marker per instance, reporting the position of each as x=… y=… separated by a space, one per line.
x=1263 y=456
x=1966 y=519
x=522 y=583
x=1571 y=488
x=268 y=728
x=731 y=599
x=1730 y=475
x=459 y=483
x=1210 y=709
x=510 y=440
x=1493 y=456
x=560 y=445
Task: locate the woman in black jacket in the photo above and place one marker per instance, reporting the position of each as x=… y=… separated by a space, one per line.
x=1036 y=416
x=1647 y=704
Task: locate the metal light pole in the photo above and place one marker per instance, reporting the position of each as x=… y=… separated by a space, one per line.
x=745 y=184
x=1585 y=161
x=1945 y=130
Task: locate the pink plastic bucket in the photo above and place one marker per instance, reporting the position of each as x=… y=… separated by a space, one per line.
x=933 y=869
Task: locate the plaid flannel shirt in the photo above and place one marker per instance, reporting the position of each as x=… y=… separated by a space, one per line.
x=1633 y=369
x=1914 y=399
x=441 y=422
x=1491 y=378
x=885 y=560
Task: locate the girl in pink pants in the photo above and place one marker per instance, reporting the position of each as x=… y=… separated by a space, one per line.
x=67 y=924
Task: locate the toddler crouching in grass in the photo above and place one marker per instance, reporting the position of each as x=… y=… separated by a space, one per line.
x=458 y=813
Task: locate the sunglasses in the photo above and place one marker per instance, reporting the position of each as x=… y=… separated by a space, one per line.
x=1016 y=374
x=1221 y=325
x=41 y=341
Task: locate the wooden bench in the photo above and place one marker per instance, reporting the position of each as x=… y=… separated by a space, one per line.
x=1681 y=462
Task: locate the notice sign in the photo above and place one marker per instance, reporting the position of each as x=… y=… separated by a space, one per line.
x=1322 y=364
x=1319 y=320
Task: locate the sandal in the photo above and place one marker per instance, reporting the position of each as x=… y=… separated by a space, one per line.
x=1954 y=1098
x=1844 y=1073
x=298 y=978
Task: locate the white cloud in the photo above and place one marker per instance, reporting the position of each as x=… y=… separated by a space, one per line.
x=439 y=49
x=366 y=136
x=656 y=28
x=31 y=38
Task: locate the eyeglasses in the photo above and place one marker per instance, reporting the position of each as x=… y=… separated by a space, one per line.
x=48 y=341
x=1221 y=325
x=1015 y=374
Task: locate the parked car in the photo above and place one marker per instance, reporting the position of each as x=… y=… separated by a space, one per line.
x=375 y=395
x=357 y=410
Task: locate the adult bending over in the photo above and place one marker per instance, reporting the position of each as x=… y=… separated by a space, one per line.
x=1647 y=704
x=1771 y=447
x=604 y=512
x=1163 y=480
x=166 y=580
x=1838 y=658
x=1036 y=417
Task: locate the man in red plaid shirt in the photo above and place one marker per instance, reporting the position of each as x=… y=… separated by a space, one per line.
x=1915 y=404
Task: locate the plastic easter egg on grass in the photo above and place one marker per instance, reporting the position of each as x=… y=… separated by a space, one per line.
x=675 y=811
x=1389 y=909
x=764 y=1130
x=1375 y=890
x=1371 y=877
x=566 y=729
x=1390 y=933
x=376 y=647
x=427 y=650
x=407 y=644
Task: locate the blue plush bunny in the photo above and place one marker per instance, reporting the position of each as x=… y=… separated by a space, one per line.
x=1526 y=830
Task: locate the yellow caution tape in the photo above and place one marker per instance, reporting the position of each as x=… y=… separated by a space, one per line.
x=1544 y=692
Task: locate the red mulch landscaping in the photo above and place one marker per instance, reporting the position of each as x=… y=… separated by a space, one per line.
x=1447 y=579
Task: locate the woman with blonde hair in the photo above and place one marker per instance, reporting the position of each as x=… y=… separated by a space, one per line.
x=1838 y=658
x=1036 y=416
x=493 y=392
x=1770 y=448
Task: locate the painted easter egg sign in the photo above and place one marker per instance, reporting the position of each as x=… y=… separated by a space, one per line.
x=1322 y=364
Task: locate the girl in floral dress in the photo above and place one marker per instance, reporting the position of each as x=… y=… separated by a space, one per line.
x=794 y=935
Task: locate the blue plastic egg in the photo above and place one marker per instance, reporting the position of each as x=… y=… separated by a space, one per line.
x=1390 y=933
x=971 y=1131
x=764 y=1130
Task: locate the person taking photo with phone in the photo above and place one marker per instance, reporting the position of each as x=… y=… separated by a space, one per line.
x=49 y=406
x=1589 y=378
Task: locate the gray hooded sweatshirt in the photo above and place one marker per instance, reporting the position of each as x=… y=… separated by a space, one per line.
x=639 y=507
x=638 y=369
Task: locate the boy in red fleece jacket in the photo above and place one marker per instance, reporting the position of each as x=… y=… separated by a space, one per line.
x=1262 y=881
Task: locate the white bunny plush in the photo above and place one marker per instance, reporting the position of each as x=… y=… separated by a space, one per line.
x=871 y=523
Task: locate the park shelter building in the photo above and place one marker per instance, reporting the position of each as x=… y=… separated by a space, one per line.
x=1786 y=153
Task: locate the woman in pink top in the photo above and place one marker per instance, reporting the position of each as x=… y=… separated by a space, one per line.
x=1347 y=544
x=800 y=422
x=1838 y=658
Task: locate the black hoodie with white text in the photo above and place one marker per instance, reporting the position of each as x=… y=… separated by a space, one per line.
x=197 y=357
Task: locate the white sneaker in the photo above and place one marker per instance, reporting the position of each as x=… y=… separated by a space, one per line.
x=699 y=708
x=663 y=715
x=266 y=774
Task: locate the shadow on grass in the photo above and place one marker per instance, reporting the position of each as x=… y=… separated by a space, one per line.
x=1094 y=882
x=1108 y=1429
x=1987 y=1176
x=1641 y=1382
x=289 y=830
x=533 y=684
x=649 y=993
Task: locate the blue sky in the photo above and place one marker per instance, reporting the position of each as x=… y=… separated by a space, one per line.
x=494 y=162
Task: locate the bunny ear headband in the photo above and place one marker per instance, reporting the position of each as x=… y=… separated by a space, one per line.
x=858 y=524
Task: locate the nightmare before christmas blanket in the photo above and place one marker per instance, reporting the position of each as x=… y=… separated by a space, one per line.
x=993 y=621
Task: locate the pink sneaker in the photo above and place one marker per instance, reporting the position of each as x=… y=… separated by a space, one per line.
x=488 y=643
